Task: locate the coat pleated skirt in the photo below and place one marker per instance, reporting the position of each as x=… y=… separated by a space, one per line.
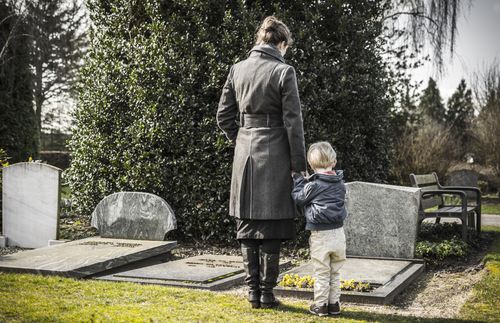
x=261 y=183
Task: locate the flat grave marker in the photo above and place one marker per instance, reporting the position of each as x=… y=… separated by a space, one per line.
x=81 y=258
x=213 y=272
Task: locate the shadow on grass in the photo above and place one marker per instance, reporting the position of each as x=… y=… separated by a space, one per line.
x=351 y=314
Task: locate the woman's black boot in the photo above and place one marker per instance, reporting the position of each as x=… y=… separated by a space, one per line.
x=269 y=271
x=251 y=265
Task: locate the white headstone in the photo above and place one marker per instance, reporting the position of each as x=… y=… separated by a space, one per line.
x=30 y=204
x=382 y=220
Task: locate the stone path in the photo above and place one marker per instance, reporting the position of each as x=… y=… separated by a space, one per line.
x=486 y=219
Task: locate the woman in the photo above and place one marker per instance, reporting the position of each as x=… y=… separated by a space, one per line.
x=259 y=110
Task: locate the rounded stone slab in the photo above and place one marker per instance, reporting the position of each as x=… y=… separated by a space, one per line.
x=133 y=215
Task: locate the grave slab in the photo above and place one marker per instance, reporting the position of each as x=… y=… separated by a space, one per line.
x=30 y=204
x=81 y=258
x=133 y=215
x=212 y=272
x=388 y=277
x=382 y=220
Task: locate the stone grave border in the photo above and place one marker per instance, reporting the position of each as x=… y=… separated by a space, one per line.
x=220 y=284
x=381 y=295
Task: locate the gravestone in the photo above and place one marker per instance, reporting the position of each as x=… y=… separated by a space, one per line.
x=212 y=272
x=133 y=215
x=463 y=177
x=30 y=204
x=381 y=233
x=382 y=220
x=81 y=258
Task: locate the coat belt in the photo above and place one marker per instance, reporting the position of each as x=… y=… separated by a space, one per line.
x=261 y=120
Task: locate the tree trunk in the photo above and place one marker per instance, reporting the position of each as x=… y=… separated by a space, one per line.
x=39 y=99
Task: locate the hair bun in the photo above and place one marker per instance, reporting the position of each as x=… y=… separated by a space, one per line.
x=273 y=31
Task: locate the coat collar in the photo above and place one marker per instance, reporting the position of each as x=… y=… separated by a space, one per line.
x=268 y=49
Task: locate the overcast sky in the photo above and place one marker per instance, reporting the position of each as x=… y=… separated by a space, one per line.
x=478 y=44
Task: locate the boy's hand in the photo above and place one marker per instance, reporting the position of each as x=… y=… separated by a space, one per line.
x=293 y=173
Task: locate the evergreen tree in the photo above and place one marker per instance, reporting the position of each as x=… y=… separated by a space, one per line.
x=431 y=104
x=55 y=31
x=18 y=134
x=459 y=118
x=460 y=113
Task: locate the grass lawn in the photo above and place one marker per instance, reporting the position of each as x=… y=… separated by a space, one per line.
x=484 y=305
x=490 y=209
x=32 y=298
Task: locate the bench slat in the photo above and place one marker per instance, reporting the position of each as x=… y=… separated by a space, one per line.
x=452 y=209
x=426 y=179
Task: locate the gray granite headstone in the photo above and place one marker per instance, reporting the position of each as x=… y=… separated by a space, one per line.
x=81 y=258
x=133 y=215
x=30 y=204
x=382 y=220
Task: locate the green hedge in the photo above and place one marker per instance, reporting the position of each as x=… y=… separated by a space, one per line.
x=150 y=85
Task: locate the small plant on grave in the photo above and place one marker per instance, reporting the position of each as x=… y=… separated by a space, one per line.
x=352 y=285
x=294 y=280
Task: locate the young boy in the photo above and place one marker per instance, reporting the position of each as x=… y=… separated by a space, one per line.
x=322 y=198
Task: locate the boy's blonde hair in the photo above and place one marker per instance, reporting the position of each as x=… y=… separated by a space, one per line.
x=321 y=155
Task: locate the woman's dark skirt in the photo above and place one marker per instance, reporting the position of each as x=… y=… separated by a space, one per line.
x=265 y=229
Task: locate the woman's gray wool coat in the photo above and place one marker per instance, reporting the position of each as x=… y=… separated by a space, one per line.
x=263 y=88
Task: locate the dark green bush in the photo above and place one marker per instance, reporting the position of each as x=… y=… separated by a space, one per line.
x=149 y=90
x=440 y=241
x=432 y=251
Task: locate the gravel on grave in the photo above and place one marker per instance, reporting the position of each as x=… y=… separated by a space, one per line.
x=438 y=293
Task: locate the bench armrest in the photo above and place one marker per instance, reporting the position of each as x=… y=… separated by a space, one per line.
x=466 y=188
x=463 y=196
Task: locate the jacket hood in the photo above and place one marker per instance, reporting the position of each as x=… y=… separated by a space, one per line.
x=329 y=178
x=269 y=50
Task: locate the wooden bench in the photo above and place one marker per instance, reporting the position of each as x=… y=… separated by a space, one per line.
x=432 y=196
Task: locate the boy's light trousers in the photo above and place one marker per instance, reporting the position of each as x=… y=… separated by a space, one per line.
x=327 y=257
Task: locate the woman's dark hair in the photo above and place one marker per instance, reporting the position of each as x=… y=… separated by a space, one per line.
x=273 y=31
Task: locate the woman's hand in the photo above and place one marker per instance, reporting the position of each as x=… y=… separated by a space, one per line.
x=304 y=174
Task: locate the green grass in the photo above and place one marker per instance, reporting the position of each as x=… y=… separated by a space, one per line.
x=32 y=298
x=484 y=305
x=490 y=209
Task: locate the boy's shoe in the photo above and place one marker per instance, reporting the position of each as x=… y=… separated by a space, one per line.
x=334 y=309
x=319 y=310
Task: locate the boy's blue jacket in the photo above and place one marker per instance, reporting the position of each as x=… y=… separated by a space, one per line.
x=322 y=197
